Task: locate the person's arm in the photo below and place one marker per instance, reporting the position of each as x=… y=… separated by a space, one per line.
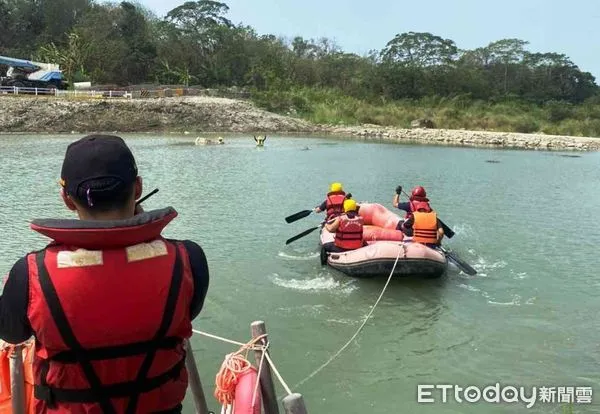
x=333 y=225
x=321 y=207
x=396 y=198
x=14 y=324
x=440 y=232
x=404 y=206
x=200 y=273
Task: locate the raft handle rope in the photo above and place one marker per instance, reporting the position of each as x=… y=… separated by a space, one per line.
x=252 y=345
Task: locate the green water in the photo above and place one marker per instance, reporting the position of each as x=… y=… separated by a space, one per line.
x=528 y=224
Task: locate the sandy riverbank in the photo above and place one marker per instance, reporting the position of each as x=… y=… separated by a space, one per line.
x=209 y=114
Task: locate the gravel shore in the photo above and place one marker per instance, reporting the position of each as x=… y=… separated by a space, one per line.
x=211 y=114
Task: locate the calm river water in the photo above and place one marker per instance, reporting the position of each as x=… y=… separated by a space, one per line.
x=528 y=223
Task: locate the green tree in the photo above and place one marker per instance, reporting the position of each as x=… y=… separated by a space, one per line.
x=419 y=50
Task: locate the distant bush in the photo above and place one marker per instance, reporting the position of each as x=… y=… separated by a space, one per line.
x=331 y=106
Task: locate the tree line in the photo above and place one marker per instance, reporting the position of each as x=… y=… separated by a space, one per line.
x=196 y=44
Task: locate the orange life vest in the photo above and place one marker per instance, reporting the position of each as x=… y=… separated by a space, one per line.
x=335 y=204
x=349 y=234
x=110 y=317
x=425 y=227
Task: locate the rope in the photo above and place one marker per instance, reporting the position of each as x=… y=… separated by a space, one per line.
x=225 y=384
x=277 y=374
x=315 y=372
x=219 y=338
x=235 y=364
x=232 y=368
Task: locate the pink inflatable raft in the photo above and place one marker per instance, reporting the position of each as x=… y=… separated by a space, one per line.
x=384 y=244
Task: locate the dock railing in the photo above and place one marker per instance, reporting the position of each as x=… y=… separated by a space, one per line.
x=293 y=403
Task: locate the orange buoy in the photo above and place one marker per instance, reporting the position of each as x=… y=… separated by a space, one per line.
x=245 y=392
x=237 y=384
x=5 y=380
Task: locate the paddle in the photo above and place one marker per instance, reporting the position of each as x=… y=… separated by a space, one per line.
x=304 y=213
x=299 y=236
x=464 y=266
x=448 y=232
x=141 y=200
x=298 y=216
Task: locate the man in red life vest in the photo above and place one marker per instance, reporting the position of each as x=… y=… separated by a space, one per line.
x=334 y=201
x=420 y=222
x=348 y=229
x=109 y=300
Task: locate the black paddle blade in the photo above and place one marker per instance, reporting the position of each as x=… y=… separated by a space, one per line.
x=298 y=216
x=299 y=236
x=448 y=232
x=464 y=266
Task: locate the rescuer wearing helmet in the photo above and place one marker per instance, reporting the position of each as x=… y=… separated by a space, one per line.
x=420 y=222
x=348 y=229
x=109 y=301
x=334 y=201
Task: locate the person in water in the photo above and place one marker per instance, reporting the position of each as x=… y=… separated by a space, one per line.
x=334 y=201
x=348 y=229
x=420 y=222
x=260 y=141
x=109 y=301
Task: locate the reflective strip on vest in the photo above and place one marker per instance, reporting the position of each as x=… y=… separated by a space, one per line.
x=425 y=227
x=349 y=234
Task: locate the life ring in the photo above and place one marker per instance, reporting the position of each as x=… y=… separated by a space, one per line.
x=236 y=385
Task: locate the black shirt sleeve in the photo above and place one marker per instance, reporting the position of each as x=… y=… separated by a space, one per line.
x=14 y=324
x=199 y=267
x=405 y=206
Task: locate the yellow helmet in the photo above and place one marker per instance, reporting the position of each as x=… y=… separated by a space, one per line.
x=349 y=205
x=335 y=187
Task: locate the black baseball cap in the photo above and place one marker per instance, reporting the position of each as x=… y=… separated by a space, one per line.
x=96 y=157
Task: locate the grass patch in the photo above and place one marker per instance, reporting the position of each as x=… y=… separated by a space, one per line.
x=330 y=106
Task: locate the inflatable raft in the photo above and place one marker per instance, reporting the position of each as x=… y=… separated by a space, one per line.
x=383 y=245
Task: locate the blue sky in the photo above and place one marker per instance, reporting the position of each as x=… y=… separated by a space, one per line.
x=570 y=27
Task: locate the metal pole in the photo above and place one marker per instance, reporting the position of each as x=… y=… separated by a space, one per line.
x=194 y=380
x=17 y=380
x=266 y=380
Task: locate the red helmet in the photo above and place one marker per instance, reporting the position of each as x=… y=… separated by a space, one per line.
x=419 y=192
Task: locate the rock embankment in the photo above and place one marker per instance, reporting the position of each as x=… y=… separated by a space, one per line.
x=211 y=114
x=197 y=114
x=470 y=138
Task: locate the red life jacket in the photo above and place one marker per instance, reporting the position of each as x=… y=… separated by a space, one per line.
x=334 y=203
x=349 y=234
x=416 y=205
x=110 y=308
